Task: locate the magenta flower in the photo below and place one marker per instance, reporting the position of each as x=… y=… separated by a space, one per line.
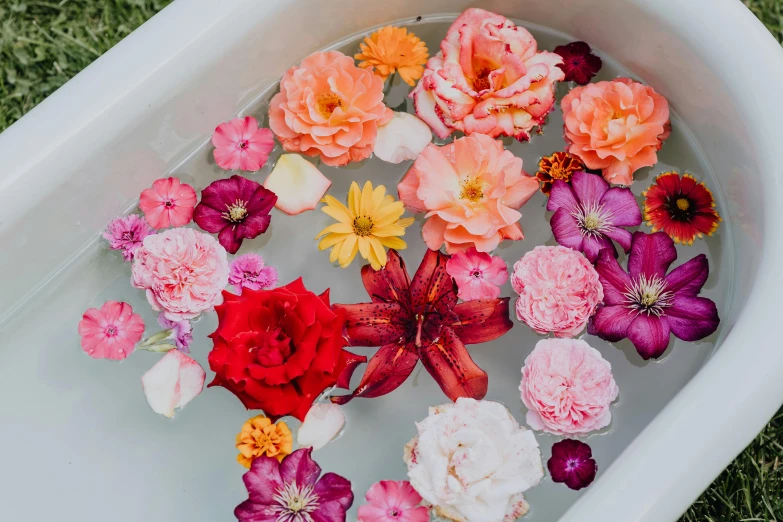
x=646 y=304
x=588 y=214
x=393 y=501
x=125 y=233
x=290 y=491
x=579 y=62
x=248 y=271
x=182 y=331
x=572 y=462
x=235 y=209
x=168 y=203
x=111 y=332
x=478 y=275
x=240 y=144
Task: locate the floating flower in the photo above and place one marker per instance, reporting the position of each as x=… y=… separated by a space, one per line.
x=472 y=461
x=393 y=501
x=291 y=491
x=579 y=62
x=249 y=271
x=260 y=436
x=110 y=332
x=646 y=304
x=402 y=138
x=370 y=223
x=235 y=209
x=330 y=108
x=588 y=214
x=420 y=320
x=471 y=190
x=680 y=206
x=558 y=290
x=321 y=424
x=241 y=145
x=183 y=272
x=393 y=49
x=567 y=387
x=478 y=275
x=277 y=350
x=174 y=381
x=181 y=332
x=169 y=203
x=616 y=126
x=489 y=78
x=125 y=233
x=297 y=183
x=572 y=462
x=560 y=165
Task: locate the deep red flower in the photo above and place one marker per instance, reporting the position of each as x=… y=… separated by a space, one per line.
x=572 y=462
x=579 y=63
x=277 y=350
x=420 y=319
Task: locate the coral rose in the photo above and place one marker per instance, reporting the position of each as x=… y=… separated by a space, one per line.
x=616 y=126
x=489 y=78
x=471 y=190
x=567 y=387
x=330 y=108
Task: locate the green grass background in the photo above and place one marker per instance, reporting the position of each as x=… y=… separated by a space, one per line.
x=43 y=44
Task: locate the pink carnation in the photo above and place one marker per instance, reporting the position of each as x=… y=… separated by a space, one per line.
x=558 y=290
x=249 y=271
x=567 y=387
x=478 y=275
x=126 y=233
x=183 y=271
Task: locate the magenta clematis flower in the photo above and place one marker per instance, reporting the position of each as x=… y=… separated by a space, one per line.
x=125 y=233
x=249 y=271
x=647 y=304
x=235 y=209
x=579 y=62
x=572 y=462
x=588 y=214
x=290 y=491
x=393 y=501
x=240 y=144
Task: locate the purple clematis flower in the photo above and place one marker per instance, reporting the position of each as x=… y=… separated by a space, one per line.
x=572 y=462
x=236 y=208
x=588 y=214
x=646 y=304
x=291 y=491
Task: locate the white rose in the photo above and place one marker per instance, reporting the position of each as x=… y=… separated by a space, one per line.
x=402 y=138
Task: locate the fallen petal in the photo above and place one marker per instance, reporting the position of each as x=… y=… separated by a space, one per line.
x=173 y=382
x=298 y=184
x=321 y=424
x=403 y=138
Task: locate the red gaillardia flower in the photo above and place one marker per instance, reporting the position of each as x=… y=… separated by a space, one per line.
x=579 y=62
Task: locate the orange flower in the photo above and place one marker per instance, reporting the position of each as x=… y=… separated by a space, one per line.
x=260 y=436
x=393 y=49
x=560 y=165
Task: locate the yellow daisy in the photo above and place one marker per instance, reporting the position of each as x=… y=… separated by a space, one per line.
x=368 y=225
x=393 y=49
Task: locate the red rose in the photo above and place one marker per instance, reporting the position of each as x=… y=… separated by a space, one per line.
x=277 y=350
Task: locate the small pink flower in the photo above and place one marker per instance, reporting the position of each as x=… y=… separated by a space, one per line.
x=182 y=332
x=168 y=203
x=478 y=275
x=111 y=332
x=392 y=501
x=126 y=233
x=240 y=144
x=249 y=271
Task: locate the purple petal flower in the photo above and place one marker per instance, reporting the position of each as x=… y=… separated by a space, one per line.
x=588 y=214
x=291 y=490
x=646 y=304
x=572 y=462
x=126 y=233
x=235 y=209
x=182 y=330
x=248 y=271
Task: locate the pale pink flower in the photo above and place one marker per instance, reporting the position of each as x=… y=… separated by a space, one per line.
x=478 y=275
x=183 y=271
x=125 y=233
x=558 y=290
x=392 y=501
x=249 y=271
x=567 y=387
x=168 y=203
x=172 y=382
x=110 y=332
x=181 y=332
x=241 y=145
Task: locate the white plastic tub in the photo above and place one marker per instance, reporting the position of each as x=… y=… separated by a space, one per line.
x=69 y=446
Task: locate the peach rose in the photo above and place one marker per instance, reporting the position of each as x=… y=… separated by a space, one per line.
x=330 y=108
x=489 y=78
x=471 y=190
x=616 y=126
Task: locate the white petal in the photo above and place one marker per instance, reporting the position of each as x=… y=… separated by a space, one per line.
x=321 y=424
x=172 y=383
x=298 y=184
x=403 y=138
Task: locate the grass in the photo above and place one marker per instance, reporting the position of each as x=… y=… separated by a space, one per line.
x=43 y=44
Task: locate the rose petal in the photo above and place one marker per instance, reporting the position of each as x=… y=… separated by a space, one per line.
x=321 y=424
x=403 y=138
x=172 y=382
x=298 y=184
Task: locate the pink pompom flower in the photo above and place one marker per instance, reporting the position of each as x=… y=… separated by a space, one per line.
x=110 y=332
x=249 y=271
x=478 y=275
x=240 y=144
x=393 y=501
x=181 y=332
x=169 y=203
x=125 y=233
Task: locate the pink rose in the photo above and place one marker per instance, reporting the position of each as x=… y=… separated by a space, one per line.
x=616 y=126
x=489 y=78
x=558 y=290
x=567 y=387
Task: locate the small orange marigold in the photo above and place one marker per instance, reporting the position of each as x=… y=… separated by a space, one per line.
x=260 y=436
x=393 y=49
x=560 y=165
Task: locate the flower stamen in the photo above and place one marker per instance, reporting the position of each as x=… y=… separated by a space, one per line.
x=648 y=296
x=362 y=226
x=472 y=190
x=235 y=213
x=328 y=103
x=592 y=219
x=295 y=504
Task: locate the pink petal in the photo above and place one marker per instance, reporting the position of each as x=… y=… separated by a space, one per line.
x=561 y=196
x=692 y=318
x=228 y=157
x=651 y=254
x=298 y=184
x=614 y=280
x=623 y=206
x=650 y=335
x=566 y=230
x=589 y=188
x=172 y=382
x=497 y=273
x=689 y=277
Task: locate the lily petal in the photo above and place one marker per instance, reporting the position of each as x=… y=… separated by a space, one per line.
x=387 y=369
x=449 y=363
x=391 y=283
x=432 y=284
x=482 y=320
x=373 y=324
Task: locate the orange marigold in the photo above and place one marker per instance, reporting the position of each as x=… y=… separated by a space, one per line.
x=393 y=49
x=260 y=436
x=560 y=165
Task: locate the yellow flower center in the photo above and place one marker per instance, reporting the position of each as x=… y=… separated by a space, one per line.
x=235 y=213
x=328 y=103
x=362 y=226
x=591 y=222
x=472 y=190
x=683 y=204
x=264 y=442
